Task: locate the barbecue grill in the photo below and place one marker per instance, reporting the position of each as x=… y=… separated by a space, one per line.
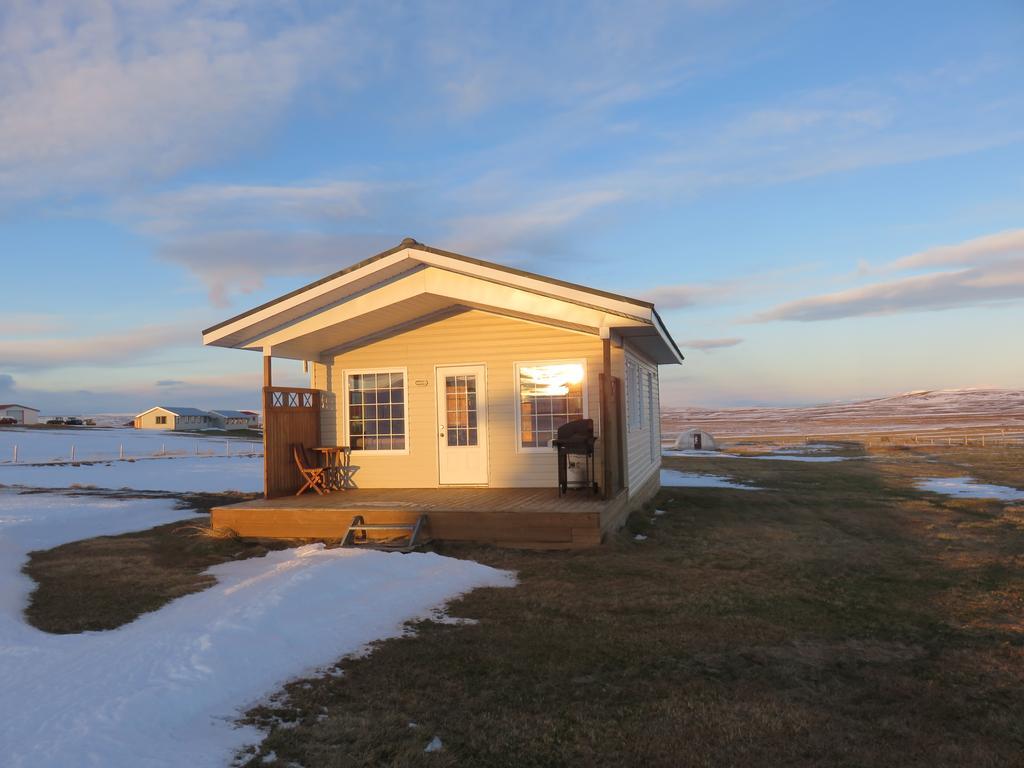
x=576 y=438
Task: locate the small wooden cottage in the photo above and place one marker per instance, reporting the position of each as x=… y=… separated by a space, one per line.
x=451 y=376
x=174 y=417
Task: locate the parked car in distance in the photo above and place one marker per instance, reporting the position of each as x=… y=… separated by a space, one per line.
x=8 y=420
x=73 y=421
x=55 y=420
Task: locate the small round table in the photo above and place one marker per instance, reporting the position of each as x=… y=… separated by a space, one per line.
x=338 y=461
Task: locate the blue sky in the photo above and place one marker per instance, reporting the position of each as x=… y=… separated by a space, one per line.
x=825 y=199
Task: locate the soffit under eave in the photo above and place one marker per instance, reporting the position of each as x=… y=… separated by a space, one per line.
x=427 y=292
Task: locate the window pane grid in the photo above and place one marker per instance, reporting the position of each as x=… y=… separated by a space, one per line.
x=376 y=411
x=549 y=397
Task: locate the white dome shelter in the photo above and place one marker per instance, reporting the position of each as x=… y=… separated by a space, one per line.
x=695 y=440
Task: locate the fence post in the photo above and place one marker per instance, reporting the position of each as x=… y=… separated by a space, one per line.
x=120 y=451
x=163 y=449
x=72 y=453
x=227 y=447
x=15 y=453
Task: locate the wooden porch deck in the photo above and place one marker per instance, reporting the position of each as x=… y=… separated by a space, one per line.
x=535 y=518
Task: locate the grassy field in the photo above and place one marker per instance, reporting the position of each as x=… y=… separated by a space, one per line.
x=837 y=617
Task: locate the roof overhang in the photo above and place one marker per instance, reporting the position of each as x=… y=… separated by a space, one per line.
x=414 y=284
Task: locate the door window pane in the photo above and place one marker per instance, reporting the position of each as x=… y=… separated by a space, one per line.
x=460 y=409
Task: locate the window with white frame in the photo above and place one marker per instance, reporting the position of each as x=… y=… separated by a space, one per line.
x=652 y=413
x=550 y=394
x=376 y=409
x=634 y=396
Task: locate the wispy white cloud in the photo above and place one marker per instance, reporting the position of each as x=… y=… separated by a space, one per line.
x=103 y=92
x=980 y=250
x=239 y=262
x=123 y=348
x=234 y=237
x=581 y=56
x=804 y=135
x=685 y=295
x=224 y=206
x=992 y=271
x=708 y=345
x=529 y=230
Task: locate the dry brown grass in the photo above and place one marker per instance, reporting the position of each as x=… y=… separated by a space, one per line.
x=827 y=620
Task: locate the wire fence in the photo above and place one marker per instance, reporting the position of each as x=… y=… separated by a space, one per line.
x=75 y=453
x=938 y=438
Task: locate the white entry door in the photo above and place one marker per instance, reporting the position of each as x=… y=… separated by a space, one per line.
x=461 y=425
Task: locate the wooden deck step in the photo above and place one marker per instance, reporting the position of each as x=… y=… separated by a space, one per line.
x=359 y=525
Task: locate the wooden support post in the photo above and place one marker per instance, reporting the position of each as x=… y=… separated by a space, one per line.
x=266 y=368
x=608 y=436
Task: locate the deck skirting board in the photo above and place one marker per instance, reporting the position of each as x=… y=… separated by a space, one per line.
x=531 y=518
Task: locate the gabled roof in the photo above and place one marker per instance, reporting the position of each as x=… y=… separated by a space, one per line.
x=413 y=284
x=15 y=405
x=176 y=410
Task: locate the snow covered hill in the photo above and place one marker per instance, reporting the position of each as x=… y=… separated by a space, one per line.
x=924 y=410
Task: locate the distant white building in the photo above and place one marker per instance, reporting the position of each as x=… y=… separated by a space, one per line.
x=235 y=419
x=167 y=417
x=22 y=414
x=254 y=419
x=695 y=440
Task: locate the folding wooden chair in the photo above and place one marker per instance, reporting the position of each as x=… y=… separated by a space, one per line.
x=315 y=476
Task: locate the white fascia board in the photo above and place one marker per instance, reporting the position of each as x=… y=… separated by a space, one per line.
x=456 y=266
x=534 y=285
x=307 y=296
x=459 y=289
x=667 y=338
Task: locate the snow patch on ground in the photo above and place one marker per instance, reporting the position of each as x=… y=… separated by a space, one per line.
x=969 y=488
x=165 y=689
x=811 y=459
x=805 y=449
x=192 y=473
x=673 y=478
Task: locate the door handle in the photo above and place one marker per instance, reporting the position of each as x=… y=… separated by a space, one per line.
x=441 y=433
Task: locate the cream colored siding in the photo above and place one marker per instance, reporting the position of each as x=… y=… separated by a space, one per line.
x=468 y=338
x=148 y=420
x=643 y=428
